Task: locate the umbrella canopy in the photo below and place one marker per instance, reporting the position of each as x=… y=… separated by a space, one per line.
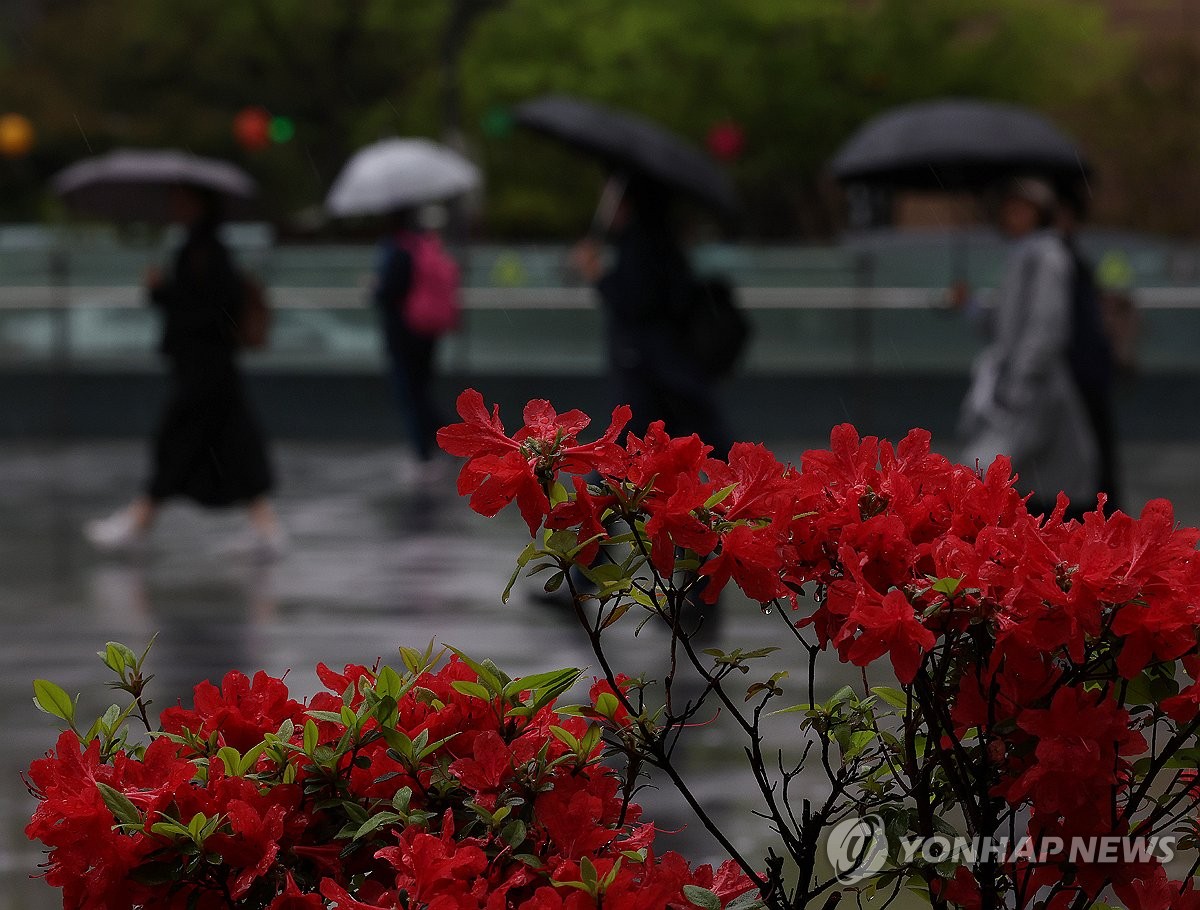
x=136 y=184
x=629 y=142
x=398 y=174
x=956 y=144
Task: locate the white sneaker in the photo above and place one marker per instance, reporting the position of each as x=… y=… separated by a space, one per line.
x=266 y=546
x=119 y=533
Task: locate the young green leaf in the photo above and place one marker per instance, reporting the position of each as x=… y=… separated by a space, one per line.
x=53 y=700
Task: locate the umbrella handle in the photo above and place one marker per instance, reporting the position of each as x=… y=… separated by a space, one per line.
x=606 y=208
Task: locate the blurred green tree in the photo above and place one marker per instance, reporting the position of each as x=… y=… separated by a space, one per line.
x=797 y=76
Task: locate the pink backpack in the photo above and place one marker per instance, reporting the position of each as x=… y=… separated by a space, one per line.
x=432 y=307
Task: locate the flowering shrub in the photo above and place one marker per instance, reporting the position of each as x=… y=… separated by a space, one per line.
x=1023 y=677
x=433 y=789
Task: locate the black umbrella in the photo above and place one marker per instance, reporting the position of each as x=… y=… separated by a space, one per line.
x=956 y=144
x=136 y=184
x=628 y=142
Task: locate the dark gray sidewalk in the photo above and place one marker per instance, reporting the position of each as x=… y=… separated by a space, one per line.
x=371 y=566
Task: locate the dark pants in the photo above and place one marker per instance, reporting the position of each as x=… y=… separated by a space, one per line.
x=412 y=358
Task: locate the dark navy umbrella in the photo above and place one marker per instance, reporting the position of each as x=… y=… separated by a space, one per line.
x=136 y=184
x=957 y=144
x=633 y=144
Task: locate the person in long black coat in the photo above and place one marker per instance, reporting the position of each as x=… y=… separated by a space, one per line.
x=646 y=295
x=208 y=447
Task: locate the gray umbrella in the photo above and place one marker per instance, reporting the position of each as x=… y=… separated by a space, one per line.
x=628 y=142
x=136 y=184
x=398 y=174
x=956 y=144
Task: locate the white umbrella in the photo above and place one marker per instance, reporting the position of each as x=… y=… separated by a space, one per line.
x=136 y=184
x=398 y=174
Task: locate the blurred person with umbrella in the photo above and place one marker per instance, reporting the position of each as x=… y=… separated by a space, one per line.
x=1024 y=400
x=208 y=446
x=649 y=294
x=1027 y=397
x=417 y=283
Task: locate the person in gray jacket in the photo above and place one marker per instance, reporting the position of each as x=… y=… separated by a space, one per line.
x=1023 y=401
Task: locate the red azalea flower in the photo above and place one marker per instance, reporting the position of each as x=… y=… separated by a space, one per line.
x=489 y=769
x=888 y=626
x=662 y=459
x=494 y=481
x=499 y=469
x=673 y=522
x=583 y=512
x=292 y=898
x=343 y=900
x=753 y=558
x=241 y=712
x=480 y=433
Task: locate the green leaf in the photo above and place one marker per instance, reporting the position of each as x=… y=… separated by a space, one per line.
x=333 y=717
x=587 y=872
x=375 y=822
x=947 y=586
x=311 y=736
x=117 y=656
x=486 y=676
x=558 y=493
x=514 y=833
x=616 y=613
x=845 y=693
x=607 y=704
x=119 y=805
x=558 y=680
x=893 y=697
x=858 y=742
x=748 y=901
x=231 y=758
x=54 y=700
x=527 y=554
x=701 y=897
x=561 y=542
x=720 y=496
x=794 y=709
x=402 y=798
x=473 y=689
x=388 y=683
x=565 y=737
x=250 y=759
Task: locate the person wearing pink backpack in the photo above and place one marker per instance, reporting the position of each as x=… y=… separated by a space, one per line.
x=417 y=295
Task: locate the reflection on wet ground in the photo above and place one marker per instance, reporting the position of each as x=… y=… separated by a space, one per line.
x=372 y=565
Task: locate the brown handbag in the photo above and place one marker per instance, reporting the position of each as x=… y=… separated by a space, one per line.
x=254 y=326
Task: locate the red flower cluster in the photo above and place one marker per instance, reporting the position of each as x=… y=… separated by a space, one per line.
x=1043 y=627
x=444 y=790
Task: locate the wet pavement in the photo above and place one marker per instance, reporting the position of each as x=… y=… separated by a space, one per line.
x=373 y=563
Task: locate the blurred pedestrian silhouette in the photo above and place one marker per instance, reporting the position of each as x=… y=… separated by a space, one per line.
x=416 y=295
x=646 y=296
x=1090 y=351
x=1024 y=400
x=208 y=446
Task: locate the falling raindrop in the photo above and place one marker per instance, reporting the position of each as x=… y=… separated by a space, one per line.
x=766 y=609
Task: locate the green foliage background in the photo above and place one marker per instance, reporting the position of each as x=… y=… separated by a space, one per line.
x=797 y=75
